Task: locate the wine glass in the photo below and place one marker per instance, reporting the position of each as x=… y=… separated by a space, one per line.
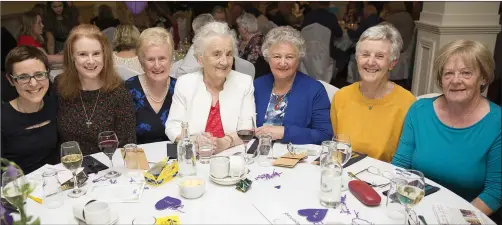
x=342 y=151
x=108 y=144
x=245 y=130
x=71 y=158
x=411 y=192
x=15 y=187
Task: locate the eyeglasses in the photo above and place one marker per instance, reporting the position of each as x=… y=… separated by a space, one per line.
x=26 y=78
x=375 y=171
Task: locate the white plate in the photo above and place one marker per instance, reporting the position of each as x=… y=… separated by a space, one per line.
x=227 y=180
x=114 y=215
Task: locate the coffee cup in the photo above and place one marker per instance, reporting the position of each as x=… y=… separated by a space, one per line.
x=237 y=166
x=78 y=207
x=97 y=213
x=219 y=167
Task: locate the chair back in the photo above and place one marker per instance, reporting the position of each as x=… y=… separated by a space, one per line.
x=244 y=66
x=125 y=72
x=330 y=89
x=317 y=62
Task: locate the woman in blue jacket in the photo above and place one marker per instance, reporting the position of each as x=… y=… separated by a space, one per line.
x=290 y=106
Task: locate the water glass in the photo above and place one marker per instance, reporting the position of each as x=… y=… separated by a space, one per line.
x=131 y=160
x=393 y=207
x=53 y=195
x=206 y=147
x=326 y=148
x=331 y=184
x=265 y=151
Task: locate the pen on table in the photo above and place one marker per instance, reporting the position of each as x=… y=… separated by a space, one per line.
x=38 y=200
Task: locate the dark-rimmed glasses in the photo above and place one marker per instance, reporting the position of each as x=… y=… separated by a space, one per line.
x=375 y=171
x=26 y=78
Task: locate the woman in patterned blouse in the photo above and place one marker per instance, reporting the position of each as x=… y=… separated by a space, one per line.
x=251 y=42
x=92 y=97
x=152 y=91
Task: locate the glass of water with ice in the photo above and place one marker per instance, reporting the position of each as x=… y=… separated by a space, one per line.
x=205 y=142
x=331 y=183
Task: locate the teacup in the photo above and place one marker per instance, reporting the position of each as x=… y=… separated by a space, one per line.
x=97 y=213
x=78 y=207
x=224 y=166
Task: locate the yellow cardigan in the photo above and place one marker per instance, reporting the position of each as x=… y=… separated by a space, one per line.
x=373 y=125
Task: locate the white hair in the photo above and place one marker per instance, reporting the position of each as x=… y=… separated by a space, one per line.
x=384 y=32
x=201 y=20
x=210 y=30
x=248 y=21
x=284 y=34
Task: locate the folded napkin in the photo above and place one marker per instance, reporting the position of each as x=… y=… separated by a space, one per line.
x=92 y=165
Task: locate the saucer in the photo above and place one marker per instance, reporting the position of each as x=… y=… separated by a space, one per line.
x=227 y=180
x=114 y=215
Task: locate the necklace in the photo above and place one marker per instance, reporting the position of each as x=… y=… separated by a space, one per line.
x=20 y=110
x=150 y=96
x=370 y=106
x=467 y=115
x=280 y=98
x=88 y=119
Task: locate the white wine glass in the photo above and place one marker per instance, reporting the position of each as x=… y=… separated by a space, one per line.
x=245 y=130
x=343 y=152
x=15 y=187
x=411 y=192
x=71 y=158
x=108 y=144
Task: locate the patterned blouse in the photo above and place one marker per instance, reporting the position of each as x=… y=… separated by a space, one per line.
x=214 y=125
x=131 y=63
x=252 y=50
x=276 y=109
x=111 y=111
x=150 y=126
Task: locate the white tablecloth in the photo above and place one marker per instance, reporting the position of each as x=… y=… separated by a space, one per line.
x=260 y=205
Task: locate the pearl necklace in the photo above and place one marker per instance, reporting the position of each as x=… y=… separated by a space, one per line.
x=150 y=96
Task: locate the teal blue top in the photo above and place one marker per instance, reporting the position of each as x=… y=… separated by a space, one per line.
x=467 y=160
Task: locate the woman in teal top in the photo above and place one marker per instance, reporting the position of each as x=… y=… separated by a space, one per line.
x=455 y=138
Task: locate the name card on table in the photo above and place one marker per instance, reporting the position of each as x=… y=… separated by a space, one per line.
x=289 y=160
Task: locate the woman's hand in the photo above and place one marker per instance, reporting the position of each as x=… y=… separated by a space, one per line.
x=277 y=132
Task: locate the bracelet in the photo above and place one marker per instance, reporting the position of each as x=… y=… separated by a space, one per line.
x=231 y=140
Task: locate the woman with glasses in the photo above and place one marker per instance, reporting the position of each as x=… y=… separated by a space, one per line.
x=454 y=139
x=29 y=130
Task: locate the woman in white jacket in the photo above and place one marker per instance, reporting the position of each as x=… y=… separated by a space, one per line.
x=213 y=98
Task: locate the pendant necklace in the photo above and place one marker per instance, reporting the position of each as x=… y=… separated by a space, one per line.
x=453 y=124
x=279 y=98
x=88 y=119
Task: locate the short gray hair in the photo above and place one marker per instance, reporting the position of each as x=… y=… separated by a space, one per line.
x=284 y=34
x=384 y=32
x=210 y=30
x=201 y=20
x=248 y=21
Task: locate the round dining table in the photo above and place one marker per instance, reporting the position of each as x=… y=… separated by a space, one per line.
x=268 y=201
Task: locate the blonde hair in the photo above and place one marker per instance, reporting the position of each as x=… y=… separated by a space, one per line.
x=157 y=36
x=126 y=38
x=69 y=82
x=29 y=19
x=473 y=53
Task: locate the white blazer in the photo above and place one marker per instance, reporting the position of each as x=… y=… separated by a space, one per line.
x=192 y=103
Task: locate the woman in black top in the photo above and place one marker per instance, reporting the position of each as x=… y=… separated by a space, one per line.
x=58 y=23
x=29 y=129
x=152 y=91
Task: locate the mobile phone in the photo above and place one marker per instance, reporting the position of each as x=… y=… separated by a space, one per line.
x=172 y=150
x=254 y=146
x=81 y=179
x=429 y=189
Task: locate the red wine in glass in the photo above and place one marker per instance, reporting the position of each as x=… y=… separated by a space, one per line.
x=108 y=147
x=245 y=135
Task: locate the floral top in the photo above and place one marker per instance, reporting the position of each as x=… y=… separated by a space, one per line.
x=150 y=126
x=276 y=109
x=252 y=50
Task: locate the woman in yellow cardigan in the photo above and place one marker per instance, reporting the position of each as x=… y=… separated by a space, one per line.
x=371 y=112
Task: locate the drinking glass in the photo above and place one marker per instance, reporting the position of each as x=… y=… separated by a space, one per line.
x=393 y=207
x=265 y=152
x=326 y=148
x=16 y=188
x=331 y=183
x=71 y=158
x=53 y=195
x=131 y=160
x=108 y=144
x=411 y=192
x=206 y=147
x=343 y=151
x=245 y=130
